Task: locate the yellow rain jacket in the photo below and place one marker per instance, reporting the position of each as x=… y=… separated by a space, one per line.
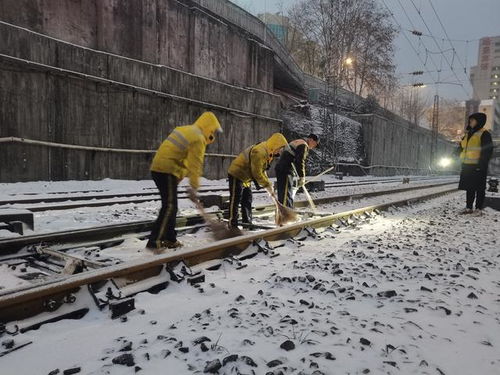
x=183 y=152
x=252 y=163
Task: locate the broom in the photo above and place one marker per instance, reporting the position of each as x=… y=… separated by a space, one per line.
x=219 y=230
x=284 y=214
x=306 y=192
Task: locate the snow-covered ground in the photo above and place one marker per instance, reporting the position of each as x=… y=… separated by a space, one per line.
x=84 y=217
x=415 y=291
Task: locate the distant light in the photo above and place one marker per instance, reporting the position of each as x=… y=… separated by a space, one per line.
x=348 y=61
x=444 y=162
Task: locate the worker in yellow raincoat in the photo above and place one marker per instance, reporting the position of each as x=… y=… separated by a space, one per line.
x=251 y=165
x=180 y=155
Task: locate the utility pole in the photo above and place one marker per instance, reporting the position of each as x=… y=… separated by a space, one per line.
x=435 y=128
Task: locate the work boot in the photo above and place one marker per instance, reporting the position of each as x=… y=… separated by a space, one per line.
x=162 y=246
x=477 y=212
x=171 y=244
x=466 y=211
x=232 y=226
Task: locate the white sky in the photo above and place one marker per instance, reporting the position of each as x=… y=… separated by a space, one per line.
x=462 y=19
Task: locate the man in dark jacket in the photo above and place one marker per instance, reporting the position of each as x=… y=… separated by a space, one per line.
x=475 y=149
x=292 y=162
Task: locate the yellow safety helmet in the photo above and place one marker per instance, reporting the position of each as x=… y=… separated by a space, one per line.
x=209 y=125
x=275 y=142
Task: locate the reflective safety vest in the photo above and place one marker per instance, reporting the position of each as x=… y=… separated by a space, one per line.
x=292 y=147
x=471 y=148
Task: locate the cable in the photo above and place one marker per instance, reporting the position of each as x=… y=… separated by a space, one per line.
x=437 y=45
x=408 y=39
x=447 y=36
x=420 y=40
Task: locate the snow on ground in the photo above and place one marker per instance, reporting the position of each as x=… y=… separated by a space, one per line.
x=85 y=217
x=415 y=291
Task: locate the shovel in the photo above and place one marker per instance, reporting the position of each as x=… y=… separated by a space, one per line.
x=219 y=230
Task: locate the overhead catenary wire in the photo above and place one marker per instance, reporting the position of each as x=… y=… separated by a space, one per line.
x=407 y=39
x=420 y=40
x=448 y=37
x=438 y=46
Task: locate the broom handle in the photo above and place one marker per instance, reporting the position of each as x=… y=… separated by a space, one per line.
x=314 y=178
x=306 y=192
x=201 y=209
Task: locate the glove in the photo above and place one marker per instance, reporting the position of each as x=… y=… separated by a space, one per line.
x=192 y=194
x=302 y=181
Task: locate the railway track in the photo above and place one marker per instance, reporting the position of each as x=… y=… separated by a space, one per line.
x=64 y=296
x=42 y=204
x=9 y=245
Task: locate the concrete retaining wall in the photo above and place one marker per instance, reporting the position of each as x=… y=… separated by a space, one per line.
x=390 y=142
x=44 y=96
x=178 y=34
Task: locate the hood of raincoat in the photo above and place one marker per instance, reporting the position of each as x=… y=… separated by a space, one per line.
x=209 y=125
x=275 y=142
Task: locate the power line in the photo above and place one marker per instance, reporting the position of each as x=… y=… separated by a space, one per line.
x=437 y=45
x=408 y=39
x=448 y=37
x=415 y=32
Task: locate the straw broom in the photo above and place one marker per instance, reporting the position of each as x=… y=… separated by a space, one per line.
x=220 y=231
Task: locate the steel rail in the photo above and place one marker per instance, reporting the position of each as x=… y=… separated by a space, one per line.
x=219 y=249
x=154 y=193
x=203 y=188
x=107 y=231
x=72 y=202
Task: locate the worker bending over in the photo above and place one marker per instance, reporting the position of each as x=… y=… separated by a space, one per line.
x=251 y=165
x=180 y=155
x=293 y=163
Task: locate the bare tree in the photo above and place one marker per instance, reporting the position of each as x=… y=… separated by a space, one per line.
x=410 y=103
x=451 y=118
x=340 y=29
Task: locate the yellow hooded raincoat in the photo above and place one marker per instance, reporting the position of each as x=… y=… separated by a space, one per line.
x=183 y=152
x=251 y=164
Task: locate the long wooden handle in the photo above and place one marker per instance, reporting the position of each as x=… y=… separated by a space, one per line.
x=314 y=178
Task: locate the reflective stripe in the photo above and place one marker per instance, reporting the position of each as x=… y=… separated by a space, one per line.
x=292 y=146
x=164 y=222
x=232 y=202
x=178 y=140
x=173 y=141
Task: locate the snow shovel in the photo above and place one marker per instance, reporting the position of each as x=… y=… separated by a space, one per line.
x=219 y=230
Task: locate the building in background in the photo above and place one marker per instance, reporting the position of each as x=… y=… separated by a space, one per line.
x=485 y=76
x=485 y=80
x=278 y=25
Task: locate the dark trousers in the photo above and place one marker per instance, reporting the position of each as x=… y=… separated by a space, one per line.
x=164 y=227
x=239 y=195
x=478 y=195
x=284 y=182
